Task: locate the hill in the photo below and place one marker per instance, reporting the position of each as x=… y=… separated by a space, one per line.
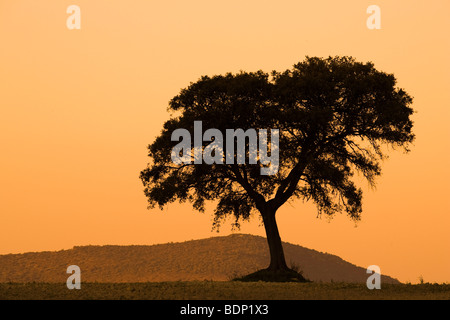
x=217 y=258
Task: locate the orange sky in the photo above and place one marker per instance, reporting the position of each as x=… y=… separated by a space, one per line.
x=79 y=107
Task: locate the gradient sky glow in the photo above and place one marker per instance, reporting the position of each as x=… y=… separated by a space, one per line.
x=79 y=107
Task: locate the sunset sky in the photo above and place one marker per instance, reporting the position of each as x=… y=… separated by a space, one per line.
x=79 y=107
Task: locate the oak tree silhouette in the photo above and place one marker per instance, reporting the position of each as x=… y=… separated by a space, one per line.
x=335 y=115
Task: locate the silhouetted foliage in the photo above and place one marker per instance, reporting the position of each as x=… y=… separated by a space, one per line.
x=335 y=116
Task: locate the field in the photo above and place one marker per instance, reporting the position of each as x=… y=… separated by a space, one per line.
x=222 y=290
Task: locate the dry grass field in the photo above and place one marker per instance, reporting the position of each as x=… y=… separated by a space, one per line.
x=222 y=290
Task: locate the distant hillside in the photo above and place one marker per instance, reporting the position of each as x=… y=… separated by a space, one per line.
x=217 y=258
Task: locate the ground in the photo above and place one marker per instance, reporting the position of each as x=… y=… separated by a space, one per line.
x=223 y=290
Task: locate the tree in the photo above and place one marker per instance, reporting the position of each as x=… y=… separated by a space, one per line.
x=336 y=117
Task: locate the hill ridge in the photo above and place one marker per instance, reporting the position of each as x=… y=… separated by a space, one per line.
x=216 y=258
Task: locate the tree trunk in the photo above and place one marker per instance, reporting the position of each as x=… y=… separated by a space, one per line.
x=277 y=260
